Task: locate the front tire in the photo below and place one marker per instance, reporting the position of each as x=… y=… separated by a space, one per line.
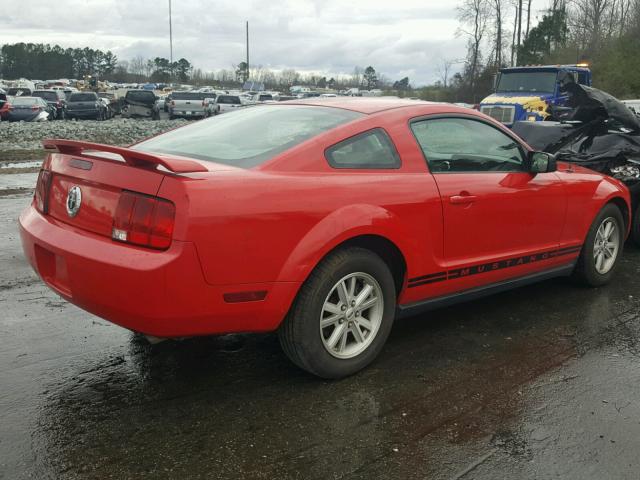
x=342 y=315
x=602 y=248
x=635 y=227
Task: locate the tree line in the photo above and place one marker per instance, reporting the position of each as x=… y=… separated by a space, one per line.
x=46 y=62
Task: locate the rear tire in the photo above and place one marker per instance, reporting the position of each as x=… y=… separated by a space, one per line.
x=602 y=248
x=342 y=315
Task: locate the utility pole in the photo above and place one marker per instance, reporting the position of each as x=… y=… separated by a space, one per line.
x=170 y=36
x=247 y=50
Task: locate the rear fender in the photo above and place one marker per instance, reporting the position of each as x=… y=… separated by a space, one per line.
x=338 y=227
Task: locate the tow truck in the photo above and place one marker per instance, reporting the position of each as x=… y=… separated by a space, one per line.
x=531 y=93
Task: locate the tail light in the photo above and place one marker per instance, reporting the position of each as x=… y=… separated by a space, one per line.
x=173 y=104
x=144 y=220
x=41 y=195
x=35 y=107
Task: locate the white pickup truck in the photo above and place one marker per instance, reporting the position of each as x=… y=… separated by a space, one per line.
x=190 y=104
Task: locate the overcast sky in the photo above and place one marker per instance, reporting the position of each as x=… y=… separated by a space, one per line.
x=398 y=38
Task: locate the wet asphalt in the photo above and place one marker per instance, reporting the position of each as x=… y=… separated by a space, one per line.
x=536 y=383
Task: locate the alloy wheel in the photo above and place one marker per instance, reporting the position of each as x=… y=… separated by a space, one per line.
x=606 y=245
x=351 y=315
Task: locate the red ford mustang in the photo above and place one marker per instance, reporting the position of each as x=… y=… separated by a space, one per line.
x=323 y=220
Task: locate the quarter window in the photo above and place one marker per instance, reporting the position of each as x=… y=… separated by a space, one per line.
x=371 y=149
x=453 y=145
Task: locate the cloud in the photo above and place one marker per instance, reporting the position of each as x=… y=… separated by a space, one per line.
x=331 y=36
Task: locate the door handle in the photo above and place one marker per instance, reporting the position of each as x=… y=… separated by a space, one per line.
x=462 y=199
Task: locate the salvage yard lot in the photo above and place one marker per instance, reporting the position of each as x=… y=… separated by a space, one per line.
x=540 y=382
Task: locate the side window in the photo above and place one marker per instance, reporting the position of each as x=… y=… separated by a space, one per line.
x=453 y=145
x=371 y=149
x=582 y=78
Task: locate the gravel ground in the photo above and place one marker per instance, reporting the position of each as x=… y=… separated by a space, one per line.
x=22 y=140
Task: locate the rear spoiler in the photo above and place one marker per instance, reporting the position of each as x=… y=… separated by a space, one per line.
x=131 y=157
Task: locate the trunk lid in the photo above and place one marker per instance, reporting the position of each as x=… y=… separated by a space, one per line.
x=88 y=180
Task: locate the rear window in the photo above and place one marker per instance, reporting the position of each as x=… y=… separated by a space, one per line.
x=140 y=96
x=19 y=91
x=262 y=98
x=82 y=97
x=229 y=100
x=189 y=96
x=51 y=96
x=248 y=137
x=26 y=101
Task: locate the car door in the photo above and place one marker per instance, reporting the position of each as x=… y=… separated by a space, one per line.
x=493 y=208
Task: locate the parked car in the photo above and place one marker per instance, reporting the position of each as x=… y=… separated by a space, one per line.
x=28 y=109
x=4 y=106
x=323 y=221
x=161 y=101
x=3 y=101
x=188 y=104
x=263 y=97
x=56 y=99
x=85 y=105
x=225 y=103
x=113 y=103
x=140 y=104
x=68 y=91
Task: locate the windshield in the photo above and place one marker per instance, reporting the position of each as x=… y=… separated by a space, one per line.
x=82 y=97
x=527 y=82
x=248 y=137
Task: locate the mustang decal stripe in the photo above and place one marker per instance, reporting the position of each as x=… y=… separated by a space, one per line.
x=488 y=267
x=425 y=277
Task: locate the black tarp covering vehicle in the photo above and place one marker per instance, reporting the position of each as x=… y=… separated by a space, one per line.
x=596 y=131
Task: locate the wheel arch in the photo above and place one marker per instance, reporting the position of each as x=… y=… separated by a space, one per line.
x=624 y=208
x=367 y=226
x=388 y=251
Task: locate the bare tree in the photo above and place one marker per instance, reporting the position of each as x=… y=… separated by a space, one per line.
x=443 y=69
x=519 y=24
x=528 y=18
x=513 y=37
x=473 y=14
x=497 y=13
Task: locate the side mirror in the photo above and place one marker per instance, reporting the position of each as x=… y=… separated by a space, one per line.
x=541 y=162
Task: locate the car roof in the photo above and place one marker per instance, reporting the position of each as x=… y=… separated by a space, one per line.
x=366 y=105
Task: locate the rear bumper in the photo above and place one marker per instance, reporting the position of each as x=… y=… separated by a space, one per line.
x=156 y=293
x=187 y=114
